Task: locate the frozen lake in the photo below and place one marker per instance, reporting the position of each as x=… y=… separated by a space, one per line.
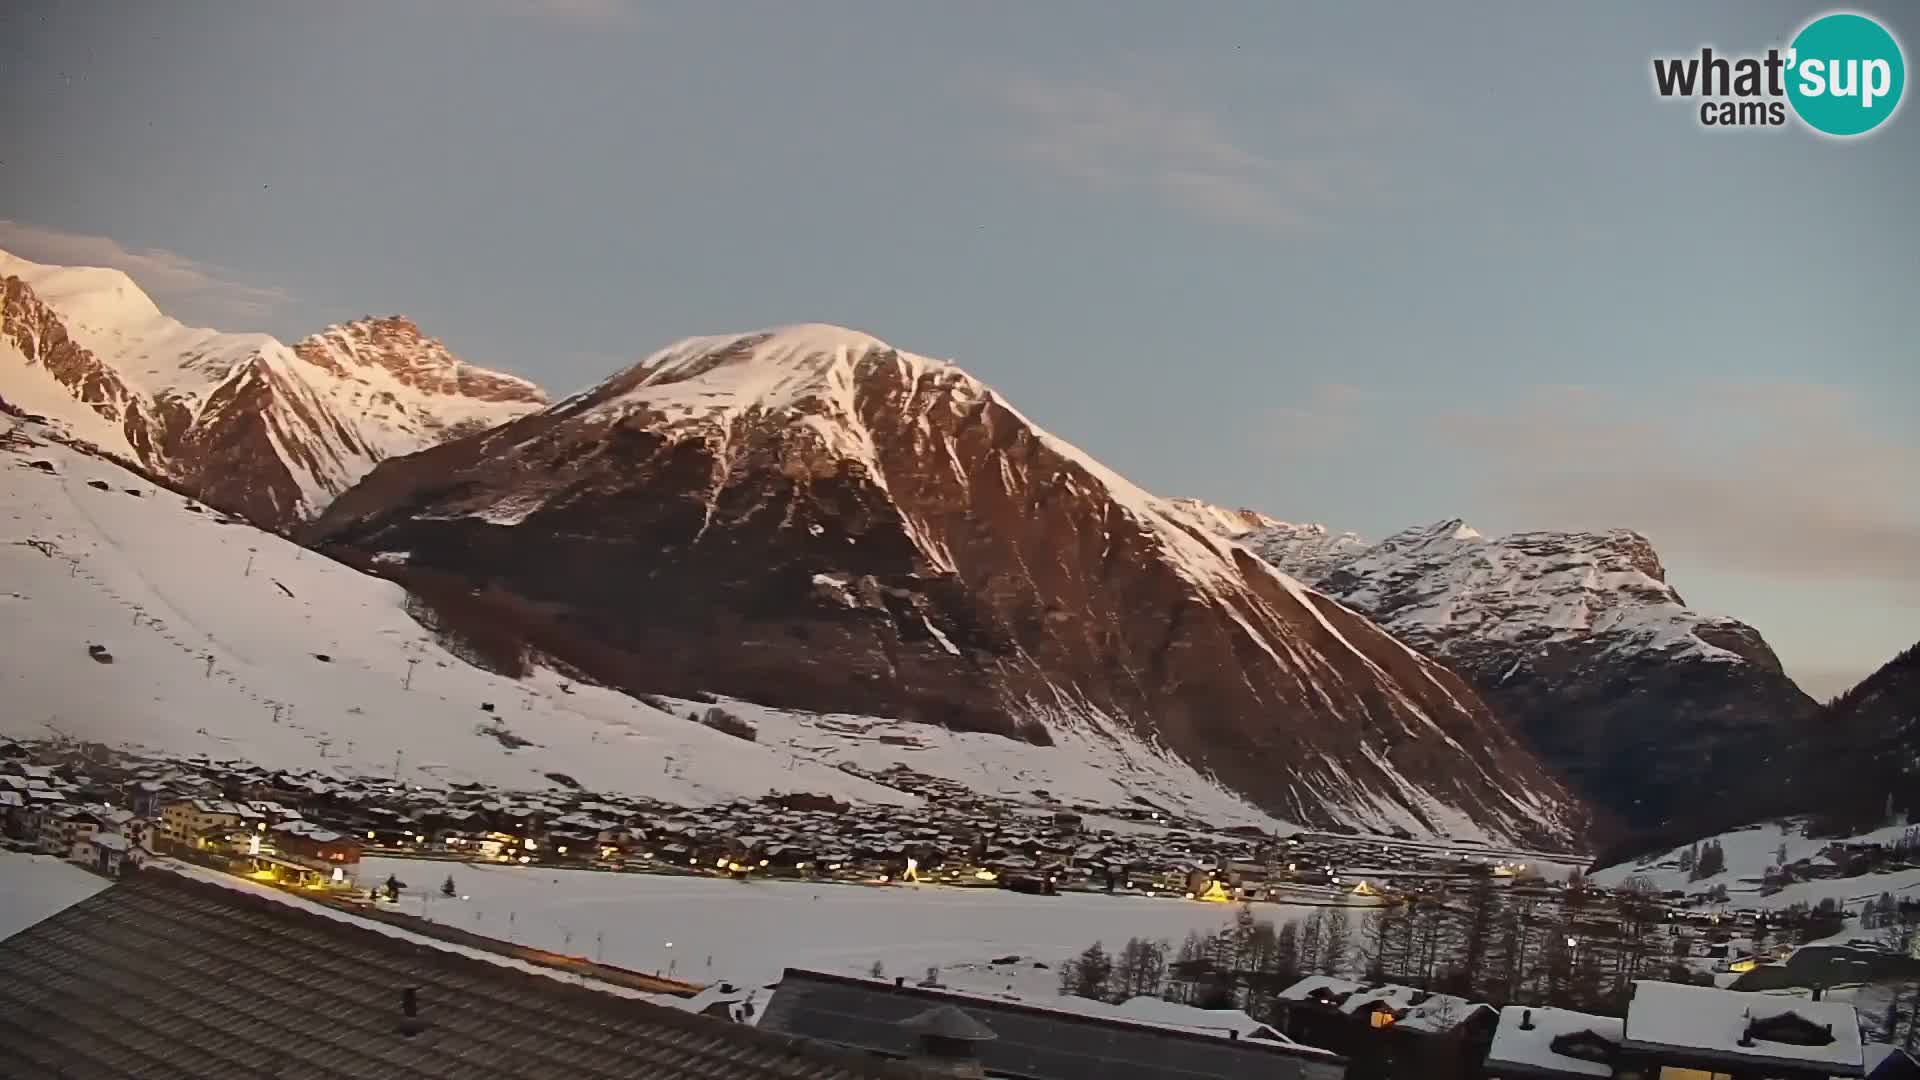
x=748 y=931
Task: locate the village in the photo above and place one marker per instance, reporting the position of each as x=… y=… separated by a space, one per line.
x=1385 y=995
x=314 y=826
x=311 y=828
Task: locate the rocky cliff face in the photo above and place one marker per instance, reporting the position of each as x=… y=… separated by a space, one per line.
x=1862 y=757
x=1578 y=641
x=811 y=518
x=408 y=387
x=242 y=421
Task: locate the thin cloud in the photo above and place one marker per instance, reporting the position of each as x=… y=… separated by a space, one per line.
x=1328 y=414
x=168 y=276
x=1117 y=139
x=573 y=10
x=1781 y=478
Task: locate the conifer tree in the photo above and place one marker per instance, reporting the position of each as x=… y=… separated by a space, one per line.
x=1336 y=937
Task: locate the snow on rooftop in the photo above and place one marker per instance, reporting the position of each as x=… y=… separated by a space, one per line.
x=1532 y=1047
x=1719 y=1024
x=253 y=888
x=34 y=887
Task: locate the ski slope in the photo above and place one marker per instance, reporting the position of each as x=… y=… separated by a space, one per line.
x=235 y=644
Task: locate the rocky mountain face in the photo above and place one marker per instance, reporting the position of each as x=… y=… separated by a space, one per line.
x=1648 y=708
x=811 y=518
x=1863 y=757
x=242 y=421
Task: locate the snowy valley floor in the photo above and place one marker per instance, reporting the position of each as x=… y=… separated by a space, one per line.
x=748 y=931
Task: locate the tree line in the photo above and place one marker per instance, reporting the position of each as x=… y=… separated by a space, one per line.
x=1480 y=943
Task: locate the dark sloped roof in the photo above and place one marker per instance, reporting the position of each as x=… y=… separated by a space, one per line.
x=161 y=976
x=1043 y=1044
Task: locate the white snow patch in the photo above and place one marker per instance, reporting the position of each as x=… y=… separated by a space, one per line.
x=35 y=887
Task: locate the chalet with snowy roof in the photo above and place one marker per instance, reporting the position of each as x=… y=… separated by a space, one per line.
x=65 y=826
x=1388 y=1028
x=1553 y=1044
x=104 y=853
x=957 y=1034
x=197 y=822
x=1730 y=1033
x=316 y=845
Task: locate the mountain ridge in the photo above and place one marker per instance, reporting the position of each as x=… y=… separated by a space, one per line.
x=823 y=493
x=1581 y=644
x=251 y=425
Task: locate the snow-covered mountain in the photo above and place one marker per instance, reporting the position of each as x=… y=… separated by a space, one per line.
x=242 y=420
x=811 y=518
x=224 y=640
x=1307 y=552
x=1578 y=640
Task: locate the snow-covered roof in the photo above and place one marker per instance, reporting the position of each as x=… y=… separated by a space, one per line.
x=1352 y=996
x=1531 y=1046
x=1440 y=1013
x=317 y=833
x=1720 y=1024
x=33 y=887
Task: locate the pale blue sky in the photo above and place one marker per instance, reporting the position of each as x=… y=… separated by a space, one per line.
x=1366 y=264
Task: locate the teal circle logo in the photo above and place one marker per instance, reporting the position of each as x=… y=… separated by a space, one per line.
x=1845 y=73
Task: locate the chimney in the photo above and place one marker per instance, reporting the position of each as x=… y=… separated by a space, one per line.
x=899 y=980
x=1817 y=990
x=410 y=1022
x=1526 y=1020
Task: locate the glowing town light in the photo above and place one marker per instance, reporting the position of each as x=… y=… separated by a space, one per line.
x=530 y=843
x=253 y=844
x=524 y=860
x=339 y=876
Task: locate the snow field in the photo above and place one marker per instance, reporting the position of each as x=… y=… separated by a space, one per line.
x=752 y=930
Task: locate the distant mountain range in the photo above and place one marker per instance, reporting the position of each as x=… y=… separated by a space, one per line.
x=1646 y=707
x=813 y=519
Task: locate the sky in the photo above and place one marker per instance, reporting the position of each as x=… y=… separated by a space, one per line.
x=1373 y=265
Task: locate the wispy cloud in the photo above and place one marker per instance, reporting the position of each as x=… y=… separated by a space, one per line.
x=1327 y=414
x=595 y=11
x=1779 y=478
x=172 y=279
x=1117 y=138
